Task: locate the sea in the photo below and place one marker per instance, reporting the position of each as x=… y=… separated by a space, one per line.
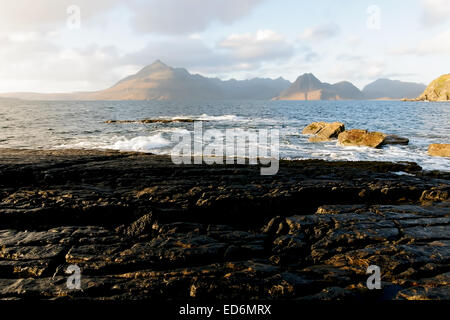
x=81 y=125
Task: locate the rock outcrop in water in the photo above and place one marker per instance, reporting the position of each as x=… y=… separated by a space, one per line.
x=439 y=150
x=140 y=227
x=438 y=90
x=314 y=127
x=323 y=131
x=358 y=137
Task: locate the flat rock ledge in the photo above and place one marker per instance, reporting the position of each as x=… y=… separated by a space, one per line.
x=140 y=227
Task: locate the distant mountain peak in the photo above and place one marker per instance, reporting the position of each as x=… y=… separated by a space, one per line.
x=308 y=76
x=308 y=87
x=306 y=82
x=159 y=63
x=159 y=81
x=393 y=89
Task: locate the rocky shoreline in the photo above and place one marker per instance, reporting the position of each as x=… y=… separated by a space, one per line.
x=140 y=227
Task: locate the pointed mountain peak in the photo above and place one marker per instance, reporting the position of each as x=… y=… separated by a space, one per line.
x=159 y=63
x=307 y=82
x=309 y=77
x=156 y=66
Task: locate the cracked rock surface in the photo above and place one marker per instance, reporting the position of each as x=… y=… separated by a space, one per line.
x=140 y=227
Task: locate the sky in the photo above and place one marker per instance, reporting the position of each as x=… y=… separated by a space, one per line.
x=83 y=45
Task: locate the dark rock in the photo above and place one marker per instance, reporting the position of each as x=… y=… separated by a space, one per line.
x=394 y=139
x=140 y=227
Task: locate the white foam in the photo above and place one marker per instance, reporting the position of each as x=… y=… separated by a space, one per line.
x=402 y=173
x=206 y=117
x=141 y=143
x=294 y=148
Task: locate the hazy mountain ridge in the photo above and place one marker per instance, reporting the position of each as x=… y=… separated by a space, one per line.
x=161 y=82
x=394 y=89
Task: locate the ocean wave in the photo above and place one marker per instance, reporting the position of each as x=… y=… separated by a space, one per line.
x=159 y=142
x=206 y=117
x=139 y=143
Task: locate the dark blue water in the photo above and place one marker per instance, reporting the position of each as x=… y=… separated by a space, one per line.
x=80 y=124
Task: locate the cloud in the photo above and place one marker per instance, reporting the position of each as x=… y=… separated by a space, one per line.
x=194 y=53
x=34 y=62
x=435 y=11
x=184 y=17
x=38 y=52
x=151 y=16
x=311 y=56
x=259 y=46
x=44 y=15
x=355 y=68
x=353 y=40
x=321 y=32
x=437 y=45
x=236 y=52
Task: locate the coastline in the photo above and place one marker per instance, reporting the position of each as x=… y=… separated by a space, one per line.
x=141 y=227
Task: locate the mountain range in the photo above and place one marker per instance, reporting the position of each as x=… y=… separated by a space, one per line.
x=161 y=82
x=393 y=89
x=308 y=87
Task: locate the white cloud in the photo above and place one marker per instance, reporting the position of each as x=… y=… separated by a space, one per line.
x=156 y=16
x=38 y=63
x=196 y=36
x=178 y=52
x=356 y=68
x=185 y=17
x=354 y=40
x=37 y=52
x=321 y=32
x=234 y=54
x=259 y=46
x=437 y=45
x=435 y=11
x=44 y=15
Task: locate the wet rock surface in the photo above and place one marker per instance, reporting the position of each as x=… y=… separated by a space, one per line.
x=140 y=227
